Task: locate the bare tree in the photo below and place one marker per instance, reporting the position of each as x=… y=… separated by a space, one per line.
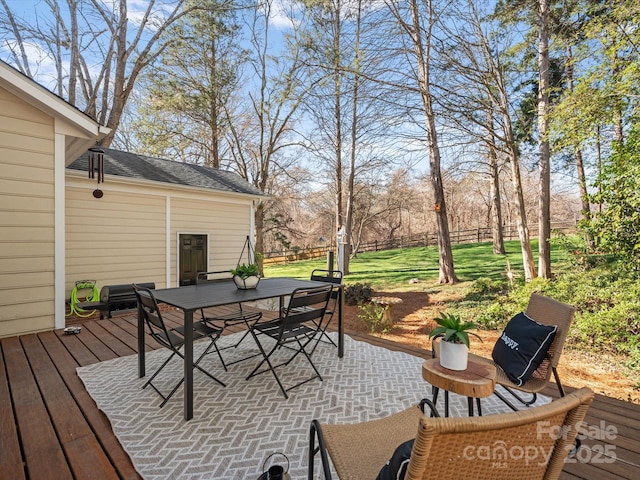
x=261 y=129
x=421 y=41
x=544 y=216
x=96 y=55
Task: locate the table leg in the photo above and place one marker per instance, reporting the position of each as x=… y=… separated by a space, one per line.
x=479 y=407
x=470 y=404
x=188 y=364
x=340 y=325
x=446 y=403
x=141 y=362
x=434 y=396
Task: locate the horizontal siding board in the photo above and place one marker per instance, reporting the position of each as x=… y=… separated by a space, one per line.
x=20 y=172
x=25 y=219
x=13 y=107
x=22 y=126
x=12 y=265
x=40 y=279
x=14 y=141
x=25 y=325
x=25 y=203
x=26 y=248
x=37 y=234
x=26 y=188
x=27 y=158
x=11 y=295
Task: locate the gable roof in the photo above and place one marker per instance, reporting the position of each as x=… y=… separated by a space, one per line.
x=142 y=167
x=81 y=130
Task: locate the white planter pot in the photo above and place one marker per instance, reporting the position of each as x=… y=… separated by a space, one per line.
x=246 y=283
x=453 y=355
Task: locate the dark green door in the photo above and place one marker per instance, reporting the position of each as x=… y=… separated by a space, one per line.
x=193 y=257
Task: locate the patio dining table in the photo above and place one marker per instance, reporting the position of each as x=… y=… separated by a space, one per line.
x=194 y=297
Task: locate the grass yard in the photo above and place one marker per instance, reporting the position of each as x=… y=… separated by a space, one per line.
x=602 y=351
x=393 y=269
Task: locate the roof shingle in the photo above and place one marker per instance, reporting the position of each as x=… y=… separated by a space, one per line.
x=131 y=165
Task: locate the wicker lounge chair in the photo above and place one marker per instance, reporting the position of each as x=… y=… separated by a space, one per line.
x=522 y=445
x=546 y=311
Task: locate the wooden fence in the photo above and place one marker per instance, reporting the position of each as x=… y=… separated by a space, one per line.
x=473 y=235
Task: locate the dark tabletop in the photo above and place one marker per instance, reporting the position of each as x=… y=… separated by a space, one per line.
x=194 y=297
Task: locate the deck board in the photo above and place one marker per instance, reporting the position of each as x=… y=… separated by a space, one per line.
x=99 y=423
x=83 y=452
x=43 y=455
x=10 y=457
x=51 y=428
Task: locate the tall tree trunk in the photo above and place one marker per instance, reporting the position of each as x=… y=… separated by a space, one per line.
x=582 y=179
x=520 y=212
x=496 y=206
x=337 y=78
x=422 y=53
x=354 y=134
x=544 y=213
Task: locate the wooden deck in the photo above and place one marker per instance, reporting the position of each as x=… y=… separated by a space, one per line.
x=50 y=427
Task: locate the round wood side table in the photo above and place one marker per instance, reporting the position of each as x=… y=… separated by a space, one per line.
x=477 y=381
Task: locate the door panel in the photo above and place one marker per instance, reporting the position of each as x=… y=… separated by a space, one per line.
x=193 y=257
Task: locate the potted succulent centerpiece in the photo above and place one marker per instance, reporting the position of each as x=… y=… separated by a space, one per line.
x=454 y=346
x=246 y=276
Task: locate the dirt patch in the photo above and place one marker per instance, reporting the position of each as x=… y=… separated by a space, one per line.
x=413 y=319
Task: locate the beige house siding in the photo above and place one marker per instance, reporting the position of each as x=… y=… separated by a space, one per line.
x=26 y=217
x=119 y=238
x=125 y=236
x=227 y=225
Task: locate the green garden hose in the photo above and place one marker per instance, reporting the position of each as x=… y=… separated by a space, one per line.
x=92 y=295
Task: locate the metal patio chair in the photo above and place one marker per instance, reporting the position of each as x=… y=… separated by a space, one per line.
x=291 y=330
x=227 y=319
x=328 y=276
x=172 y=338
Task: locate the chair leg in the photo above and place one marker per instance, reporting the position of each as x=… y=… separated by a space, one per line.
x=166 y=398
x=507 y=402
x=148 y=382
x=268 y=362
x=323 y=333
x=558 y=382
x=316 y=432
x=274 y=367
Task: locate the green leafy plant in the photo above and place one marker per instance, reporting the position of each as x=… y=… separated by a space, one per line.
x=373 y=316
x=453 y=329
x=246 y=270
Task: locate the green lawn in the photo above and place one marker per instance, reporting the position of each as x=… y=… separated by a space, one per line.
x=392 y=269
